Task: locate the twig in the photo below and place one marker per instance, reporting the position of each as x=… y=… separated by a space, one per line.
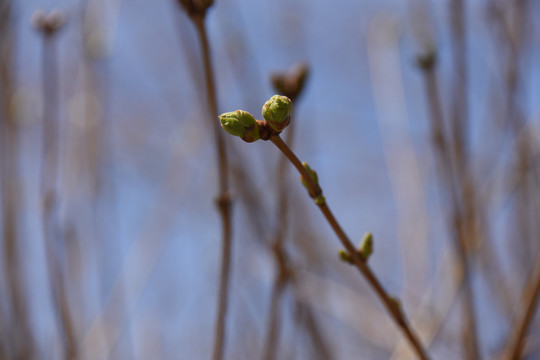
x=533 y=292
x=291 y=85
x=393 y=309
x=447 y=173
x=223 y=199
x=272 y=332
x=465 y=218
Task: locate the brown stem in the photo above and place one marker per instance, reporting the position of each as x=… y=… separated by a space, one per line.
x=464 y=217
x=223 y=199
x=272 y=333
x=393 y=309
x=448 y=174
x=523 y=325
x=282 y=274
x=460 y=98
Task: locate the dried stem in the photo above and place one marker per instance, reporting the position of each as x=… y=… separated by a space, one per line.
x=393 y=309
x=223 y=199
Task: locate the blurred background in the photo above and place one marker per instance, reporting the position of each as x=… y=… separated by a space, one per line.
x=421 y=118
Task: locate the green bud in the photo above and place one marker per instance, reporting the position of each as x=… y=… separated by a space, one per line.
x=344 y=256
x=320 y=200
x=312 y=174
x=276 y=112
x=366 y=249
x=240 y=123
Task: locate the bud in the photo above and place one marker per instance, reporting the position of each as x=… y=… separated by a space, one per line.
x=301 y=72
x=276 y=112
x=320 y=200
x=345 y=257
x=196 y=7
x=48 y=23
x=279 y=82
x=427 y=60
x=292 y=82
x=312 y=174
x=366 y=249
x=240 y=123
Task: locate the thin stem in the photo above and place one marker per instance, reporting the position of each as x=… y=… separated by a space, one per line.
x=447 y=174
x=528 y=315
x=282 y=274
x=393 y=309
x=272 y=333
x=223 y=199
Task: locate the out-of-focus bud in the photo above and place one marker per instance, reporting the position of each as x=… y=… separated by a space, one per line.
x=240 y=123
x=366 y=248
x=48 y=23
x=196 y=7
x=427 y=60
x=299 y=75
x=291 y=83
x=276 y=112
x=345 y=257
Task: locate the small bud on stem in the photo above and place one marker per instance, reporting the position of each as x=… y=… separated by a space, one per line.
x=48 y=23
x=292 y=82
x=196 y=7
x=427 y=60
x=366 y=248
x=276 y=112
x=240 y=123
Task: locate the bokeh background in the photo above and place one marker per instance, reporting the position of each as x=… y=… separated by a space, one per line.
x=134 y=260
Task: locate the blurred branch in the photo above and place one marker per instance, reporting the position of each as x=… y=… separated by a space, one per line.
x=18 y=343
x=447 y=175
x=196 y=10
x=531 y=295
x=443 y=293
x=49 y=25
x=290 y=85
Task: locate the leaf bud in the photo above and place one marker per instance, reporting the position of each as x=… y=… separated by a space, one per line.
x=276 y=112
x=366 y=248
x=240 y=123
x=345 y=257
x=312 y=174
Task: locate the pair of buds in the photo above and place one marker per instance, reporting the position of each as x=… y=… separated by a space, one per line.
x=276 y=113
